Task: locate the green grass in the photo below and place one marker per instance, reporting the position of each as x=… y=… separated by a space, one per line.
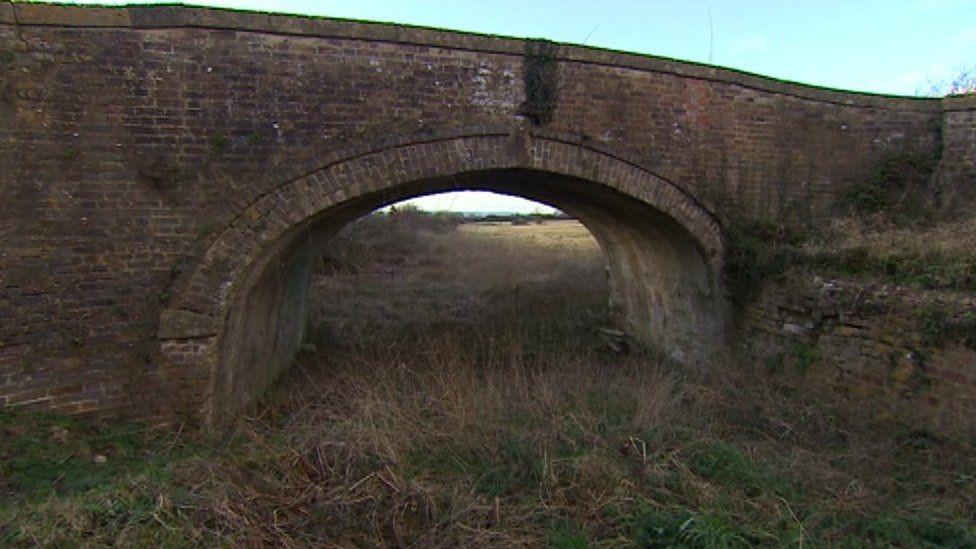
x=502 y=475
x=568 y=536
x=677 y=528
x=65 y=480
x=939 y=328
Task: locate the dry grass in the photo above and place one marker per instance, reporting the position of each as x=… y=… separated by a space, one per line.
x=443 y=407
x=955 y=239
x=438 y=450
x=565 y=236
x=937 y=257
x=493 y=274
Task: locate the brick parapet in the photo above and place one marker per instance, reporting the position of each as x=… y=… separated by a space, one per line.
x=169 y=16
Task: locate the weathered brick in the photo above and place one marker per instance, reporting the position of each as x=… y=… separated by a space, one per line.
x=154 y=157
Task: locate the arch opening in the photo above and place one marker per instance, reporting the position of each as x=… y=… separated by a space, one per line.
x=235 y=321
x=663 y=291
x=496 y=282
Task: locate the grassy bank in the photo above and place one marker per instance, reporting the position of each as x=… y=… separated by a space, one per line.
x=458 y=394
x=932 y=257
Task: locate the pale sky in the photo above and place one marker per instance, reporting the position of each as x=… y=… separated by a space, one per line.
x=879 y=46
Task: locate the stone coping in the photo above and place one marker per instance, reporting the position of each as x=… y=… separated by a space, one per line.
x=959 y=103
x=163 y=16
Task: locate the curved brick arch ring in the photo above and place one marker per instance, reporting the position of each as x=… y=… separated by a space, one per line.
x=193 y=332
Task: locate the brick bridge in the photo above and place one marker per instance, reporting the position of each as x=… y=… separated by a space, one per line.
x=167 y=174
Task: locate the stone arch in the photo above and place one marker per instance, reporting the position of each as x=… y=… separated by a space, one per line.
x=238 y=318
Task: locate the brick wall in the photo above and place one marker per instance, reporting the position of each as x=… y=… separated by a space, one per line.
x=131 y=138
x=957 y=167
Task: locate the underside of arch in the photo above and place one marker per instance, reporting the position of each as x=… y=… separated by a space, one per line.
x=239 y=318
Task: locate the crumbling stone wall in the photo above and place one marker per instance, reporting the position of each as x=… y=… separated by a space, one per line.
x=903 y=346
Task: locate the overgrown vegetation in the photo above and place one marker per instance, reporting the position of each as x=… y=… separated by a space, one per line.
x=894 y=233
x=540 y=76
x=940 y=328
x=463 y=399
x=757 y=253
x=939 y=257
x=900 y=191
x=936 y=257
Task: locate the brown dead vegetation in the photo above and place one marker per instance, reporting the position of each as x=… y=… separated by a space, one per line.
x=457 y=394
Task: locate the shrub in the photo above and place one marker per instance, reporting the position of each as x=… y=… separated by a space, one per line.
x=900 y=190
x=940 y=328
x=755 y=252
